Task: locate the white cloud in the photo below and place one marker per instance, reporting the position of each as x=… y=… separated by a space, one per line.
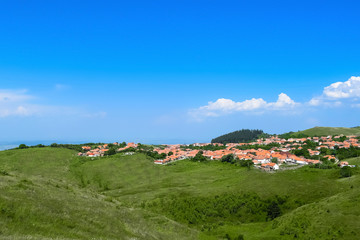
x=316 y=101
x=228 y=105
x=348 y=89
x=284 y=101
x=225 y=106
x=336 y=94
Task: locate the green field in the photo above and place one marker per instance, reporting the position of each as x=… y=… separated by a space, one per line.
x=327 y=131
x=49 y=193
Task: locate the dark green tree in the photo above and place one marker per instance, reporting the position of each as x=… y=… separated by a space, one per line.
x=345 y=172
x=244 y=135
x=246 y=163
x=23 y=146
x=228 y=158
x=111 y=151
x=199 y=157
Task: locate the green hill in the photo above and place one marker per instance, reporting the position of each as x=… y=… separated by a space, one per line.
x=244 y=135
x=324 y=131
x=49 y=193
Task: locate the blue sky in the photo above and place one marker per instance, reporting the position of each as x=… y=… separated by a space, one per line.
x=165 y=71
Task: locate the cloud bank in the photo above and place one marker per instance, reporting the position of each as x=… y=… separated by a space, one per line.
x=348 y=89
x=335 y=95
x=224 y=106
x=15 y=103
x=18 y=103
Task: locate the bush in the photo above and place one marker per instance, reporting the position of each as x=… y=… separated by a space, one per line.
x=246 y=163
x=228 y=158
x=110 y=152
x=199 y=157
x=227 y=208
x=23 y=146
x=345 y=172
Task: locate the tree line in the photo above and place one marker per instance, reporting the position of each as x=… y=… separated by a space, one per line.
x=240 y=136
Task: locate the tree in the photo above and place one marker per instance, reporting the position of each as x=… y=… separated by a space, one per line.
x=244 y=135
x=23 y=146
x=310 y=144
x=342 y=139
x=110 y=152
x=274 y=160
x=228 y=158
x=246 y=163
x=170 y=153
x=199 y=157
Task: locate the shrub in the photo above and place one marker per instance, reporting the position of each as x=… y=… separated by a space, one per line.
x=23 y=146
x=345 y=172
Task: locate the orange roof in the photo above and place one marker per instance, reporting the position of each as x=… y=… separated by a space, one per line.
x=268 y=164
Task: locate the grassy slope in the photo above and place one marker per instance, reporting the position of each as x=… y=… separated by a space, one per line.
x=132 y=180
x=325 y=131
x=51 y=193
x=41 y=198
x=353 y=161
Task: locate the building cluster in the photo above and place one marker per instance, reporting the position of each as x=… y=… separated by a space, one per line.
x=100 y=150
x=262 y=158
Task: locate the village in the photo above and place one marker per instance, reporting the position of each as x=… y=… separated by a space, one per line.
x=266 y=159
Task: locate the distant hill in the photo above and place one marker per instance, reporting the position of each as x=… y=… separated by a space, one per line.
x=323 y=131
x=244 y=135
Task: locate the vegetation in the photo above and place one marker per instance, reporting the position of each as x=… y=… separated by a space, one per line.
x=244 y=135
x=206 y=212
x=322 y=131
x=340 y=153
x=259 y=146
x=209 y=147
x=345 y=172
x=49 y=193
x=199 y=157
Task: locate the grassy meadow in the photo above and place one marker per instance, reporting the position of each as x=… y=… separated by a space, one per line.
x=328 y=131
x=49 y=193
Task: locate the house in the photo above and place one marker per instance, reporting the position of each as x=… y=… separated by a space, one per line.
x=262 y=159
x=269 y=166
x=313 y=153
x=343 y=164
x=301 y=162
x=309 y=161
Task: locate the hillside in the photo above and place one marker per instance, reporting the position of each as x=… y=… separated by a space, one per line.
x=324 y=131
x=49 y=193
x=244 y=135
